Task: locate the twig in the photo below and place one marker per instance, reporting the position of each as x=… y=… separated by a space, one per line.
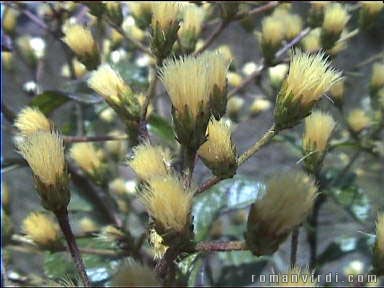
x=294 y=246
x=292 y=43
x=221 y=246
x=62 y=218
x=35 y=19
x=219 y=28
x=9 y=114
x=77 y=139
x=257 y=10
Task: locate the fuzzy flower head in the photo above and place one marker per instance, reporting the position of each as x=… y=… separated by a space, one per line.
x=169 y=204
x=165 y=14
x=41 y=229
x=193 y=18
x=109 y=84
x=309 y=77
x=272 y=31
x=44 y=152
x=293 y=25
x=311 y=43
x=297 y=277
x=335 y=18
x=132 y=274
x=372 y=7
x=187 y=83
x=219 y=152
x=82 y=43
x=288 y=199
x=31 y=120
x=259 y=105
x=358 y=120
x=318 y=129
x=87 y=157
x=149 y=161
x=118 y=187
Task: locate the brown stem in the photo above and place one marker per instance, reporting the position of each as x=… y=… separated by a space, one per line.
x=77 y=139
x=221 y=246
x=219 y=28
x=62 y=218
x=294 y=246
x=257 y=10
x=211 y=182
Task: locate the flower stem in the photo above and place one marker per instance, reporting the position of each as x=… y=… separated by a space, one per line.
x=267 y=137
x=294 y=246
x=62 y=218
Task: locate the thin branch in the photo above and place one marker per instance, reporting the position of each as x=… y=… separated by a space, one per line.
x=8 y=113
x=221 y=246
x=292 y=43
x=257 y=10
x=294 y=246
x=77 y=139
x=219 y=28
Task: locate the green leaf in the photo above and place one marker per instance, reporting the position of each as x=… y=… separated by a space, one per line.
x=230 y=194
x=162 y=128
x=79 y=91
x=48 y=101
x=56 y=265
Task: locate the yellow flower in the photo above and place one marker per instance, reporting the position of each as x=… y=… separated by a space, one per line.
x=156 y=241
x=165 y=14
x=357 y=120
x=10 y=20
x=272 y=31
x=288 y=199
x=41 y=229
x=31 y=120
x=234 y=105
x=149 y=161
x=139 y=9
x=44 y=152
x=318 y=129
x=168 y=203
x=79 y=68
x=219 y=152
x=311 y=43
x=309 y=77
x=234 y=79
x=226 y=52
x=82 y=43
x=132 y=274
x=4 y=195
x=87 y=157
x=377 y=78
x=277 y=74
x=109 y=84
x=335 y=18
x=7 y=60
x=297 y=277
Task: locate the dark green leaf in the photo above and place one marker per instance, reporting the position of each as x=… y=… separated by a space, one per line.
x=56 y=265
x=48 y=101
x=161 y=127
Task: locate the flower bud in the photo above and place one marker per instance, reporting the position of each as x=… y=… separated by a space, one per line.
x=369 y=10
x=335 y=19
x=7 y=60
x=272 y=35
x=87 y=225
x=193 y=18
x=82 y=43
x=277 y=74
x=259 y=105
x=132 y=274
x=31 y=120
x=234 y=106
x=337 y=93
x=309 y=77
x=293 y=26
x=165 y=24
x=219 y=152
x=107 y=115
x=32 y=49
x=118 y=187
x=311 y=43
x=114 y=12
x=358 y=121
x=318 y=130
x=377 y=78
x=89 y=159
x=9 y=17
x=44 y=152
x=169 y=205
x=150 y=161
x=378 y=257
x=78 y=67
x=142 y=12
x=234 y=79
x=287 y=201
x=41 y=230
x=4 y=196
